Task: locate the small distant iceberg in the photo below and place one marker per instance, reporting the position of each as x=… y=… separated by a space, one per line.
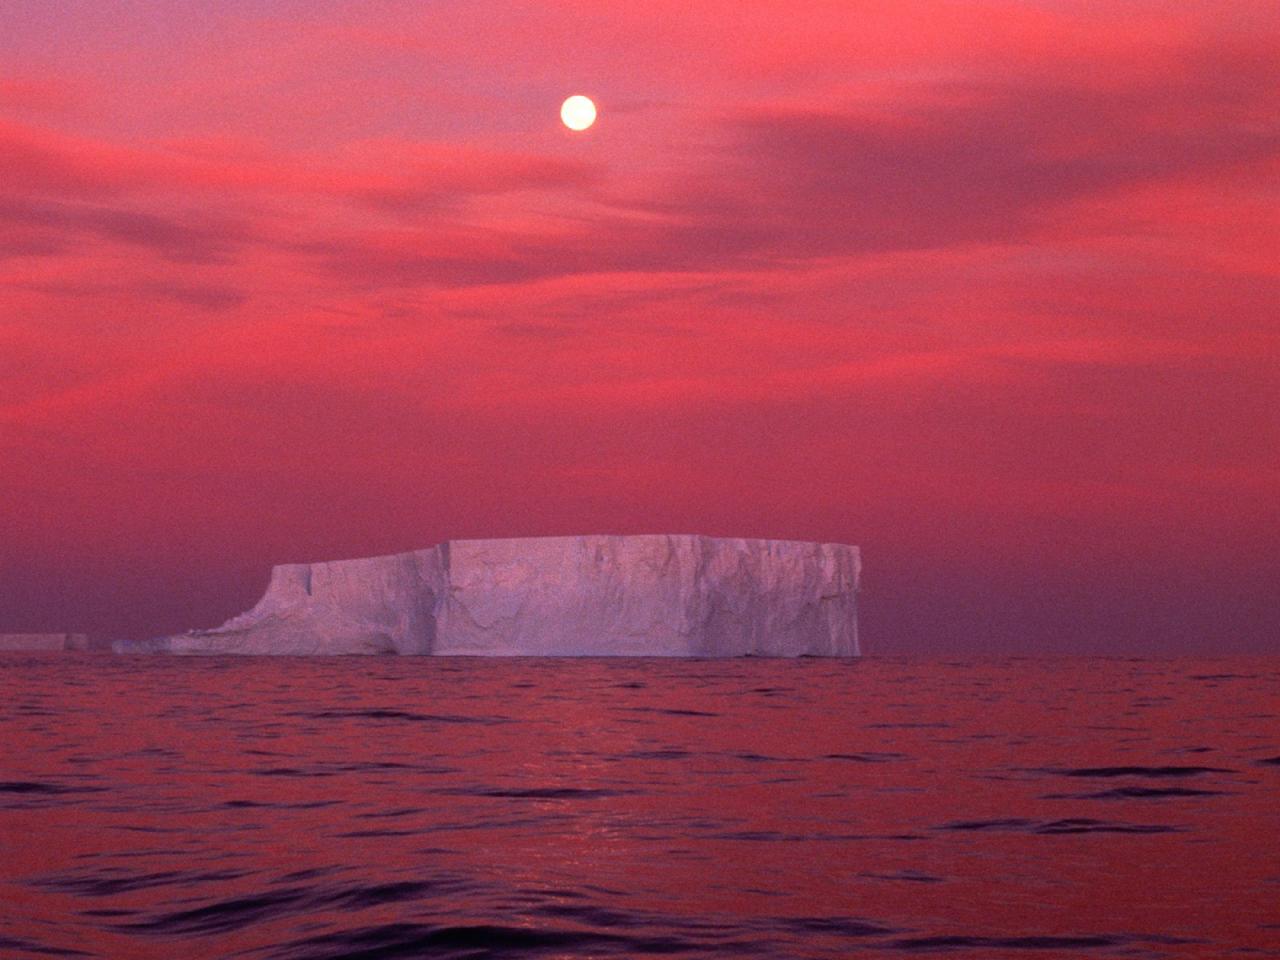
x=651 y=595
x=42 y=642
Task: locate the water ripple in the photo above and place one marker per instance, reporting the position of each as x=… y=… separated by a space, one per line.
x=312 y=808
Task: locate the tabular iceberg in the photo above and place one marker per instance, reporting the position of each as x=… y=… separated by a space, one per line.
x=653 y=595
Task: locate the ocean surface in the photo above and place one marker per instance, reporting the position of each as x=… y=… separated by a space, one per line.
x=315 y=809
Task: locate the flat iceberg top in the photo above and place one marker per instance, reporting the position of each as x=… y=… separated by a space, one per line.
x=641 y=537
x=530 y=546
x=668 y=595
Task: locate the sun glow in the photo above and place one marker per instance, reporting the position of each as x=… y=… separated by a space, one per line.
x=578 y=112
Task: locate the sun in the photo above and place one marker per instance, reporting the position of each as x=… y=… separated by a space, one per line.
x=578 y=112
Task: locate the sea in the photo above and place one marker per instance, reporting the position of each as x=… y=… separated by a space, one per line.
x=163 y=808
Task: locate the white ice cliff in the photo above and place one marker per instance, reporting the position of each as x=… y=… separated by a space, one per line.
x=628 y=596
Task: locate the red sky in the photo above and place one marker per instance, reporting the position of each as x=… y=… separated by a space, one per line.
x=991 y=289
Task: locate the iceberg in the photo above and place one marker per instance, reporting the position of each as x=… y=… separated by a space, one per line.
x=651 y=595
x=42 y=642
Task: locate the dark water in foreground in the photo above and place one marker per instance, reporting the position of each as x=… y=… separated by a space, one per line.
x=386 y=808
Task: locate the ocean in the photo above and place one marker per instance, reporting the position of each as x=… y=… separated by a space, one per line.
x=314 y=809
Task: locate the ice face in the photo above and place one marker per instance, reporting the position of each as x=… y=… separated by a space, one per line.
x=666 y=595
